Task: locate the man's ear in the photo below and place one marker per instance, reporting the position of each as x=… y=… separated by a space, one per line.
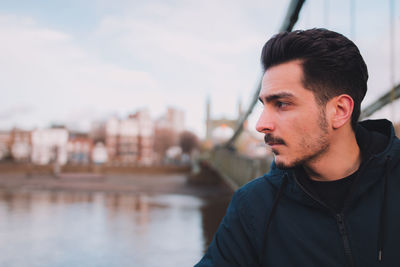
x=341 y=108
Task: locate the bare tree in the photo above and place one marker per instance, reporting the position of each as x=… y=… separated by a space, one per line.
x=188 y=141
x=163 y=139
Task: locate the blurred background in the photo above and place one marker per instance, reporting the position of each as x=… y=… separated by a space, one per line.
x=125 y=126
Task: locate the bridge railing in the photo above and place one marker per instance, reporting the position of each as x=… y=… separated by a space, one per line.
x=237 y=169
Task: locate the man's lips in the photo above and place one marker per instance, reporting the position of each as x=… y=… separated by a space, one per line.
x=274 y=144
x=273 y=141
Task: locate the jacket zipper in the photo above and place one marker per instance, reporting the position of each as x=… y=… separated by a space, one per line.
x=345 y=237
x=340 y=222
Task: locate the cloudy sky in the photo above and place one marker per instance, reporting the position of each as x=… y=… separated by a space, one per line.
x=76 y=61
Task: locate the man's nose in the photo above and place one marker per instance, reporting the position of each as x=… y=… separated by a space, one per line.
x=265 y=123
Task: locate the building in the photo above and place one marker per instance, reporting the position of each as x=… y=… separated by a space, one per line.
x=127 y=141
x=145 y=137
x=21 y=145
x=130 y=140
x=167 y=130
x=122 y=140
x=49 y=146
x=99 y=153
x=79 y=148
x=5 y=145
x=112 y=138
x=98 y=131
x=175 y=119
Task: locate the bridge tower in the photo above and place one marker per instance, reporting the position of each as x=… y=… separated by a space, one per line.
x=212 y=123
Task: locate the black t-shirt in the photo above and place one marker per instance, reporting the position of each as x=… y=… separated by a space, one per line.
x=332 y=193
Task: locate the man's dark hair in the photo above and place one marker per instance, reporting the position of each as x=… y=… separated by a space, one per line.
x=332 y=64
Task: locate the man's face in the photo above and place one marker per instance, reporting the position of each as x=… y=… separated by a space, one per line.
x=294 y=124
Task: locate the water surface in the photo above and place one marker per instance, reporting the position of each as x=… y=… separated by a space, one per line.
x=57 y=229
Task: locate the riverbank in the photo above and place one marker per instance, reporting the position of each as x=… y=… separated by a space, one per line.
x=134 y=183
x=32 y=169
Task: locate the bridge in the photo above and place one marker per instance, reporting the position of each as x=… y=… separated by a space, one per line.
x=237 y=169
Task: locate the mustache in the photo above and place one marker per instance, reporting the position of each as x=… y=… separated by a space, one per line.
x=269 y=139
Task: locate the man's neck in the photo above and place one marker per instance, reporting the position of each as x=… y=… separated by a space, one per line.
x=342 y=159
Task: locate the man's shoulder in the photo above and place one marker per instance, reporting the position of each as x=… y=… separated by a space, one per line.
x=261 y=183
x=259 y=191
x=394 y=154
x=395 y=146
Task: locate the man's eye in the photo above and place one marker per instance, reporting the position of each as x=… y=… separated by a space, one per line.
x=280 y=104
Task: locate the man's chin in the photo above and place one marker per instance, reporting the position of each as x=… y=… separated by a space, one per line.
x=284 y=165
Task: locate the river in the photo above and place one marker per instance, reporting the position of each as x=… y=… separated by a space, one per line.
x=57 y=228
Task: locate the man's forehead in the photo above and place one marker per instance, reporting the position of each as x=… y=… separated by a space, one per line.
x=285 y=77
x=282 y=87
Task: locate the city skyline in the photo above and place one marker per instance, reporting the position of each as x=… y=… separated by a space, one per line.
x=135 y=139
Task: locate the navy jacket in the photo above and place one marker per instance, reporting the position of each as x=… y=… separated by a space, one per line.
x=274 y=221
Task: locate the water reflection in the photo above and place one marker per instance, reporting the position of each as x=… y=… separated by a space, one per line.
x=211 y=217
x=105 y=229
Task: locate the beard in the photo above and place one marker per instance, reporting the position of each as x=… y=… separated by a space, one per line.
x=313 y=148
x=318 y=149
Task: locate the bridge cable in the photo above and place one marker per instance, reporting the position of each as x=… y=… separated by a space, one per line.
x=392 y=58
x=353 y=19
x=290 y=20
x=387 y=98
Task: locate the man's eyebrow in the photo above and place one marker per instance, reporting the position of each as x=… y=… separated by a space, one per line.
x=274 y=97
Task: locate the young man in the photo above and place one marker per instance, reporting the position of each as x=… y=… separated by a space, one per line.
x=332 y=196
